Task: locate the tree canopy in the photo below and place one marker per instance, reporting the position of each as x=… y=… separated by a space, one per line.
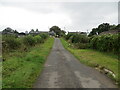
x=104 y=27
x=57 y=30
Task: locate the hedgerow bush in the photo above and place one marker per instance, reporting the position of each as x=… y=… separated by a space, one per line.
x=67 y=37
x=79 y=41
x=10 y=42
x=93 y=42
x=38 y=39
x=43 y=36
x=29 y=40
x=106 y=43
x=116 y=44
x=77 y=38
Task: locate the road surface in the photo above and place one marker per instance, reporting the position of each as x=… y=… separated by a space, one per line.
x=63 y=70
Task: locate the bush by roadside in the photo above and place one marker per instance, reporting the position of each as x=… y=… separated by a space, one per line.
x=29 y=41
x=79 y=41
x=95 y=58
x=11 y=42
x=106 y=43
x=21 y=69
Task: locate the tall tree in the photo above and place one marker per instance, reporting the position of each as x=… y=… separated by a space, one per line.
x=103 y=27
x=56 y=29
x=93 y=32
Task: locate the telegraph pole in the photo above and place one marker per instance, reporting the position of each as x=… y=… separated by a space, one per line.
x=87 y=32
x=48 y=28
x=64 y=28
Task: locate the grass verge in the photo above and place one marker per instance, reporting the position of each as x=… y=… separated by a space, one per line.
x=91 y=58
x=21 y=69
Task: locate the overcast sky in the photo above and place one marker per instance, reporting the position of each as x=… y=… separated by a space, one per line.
x=74 y=15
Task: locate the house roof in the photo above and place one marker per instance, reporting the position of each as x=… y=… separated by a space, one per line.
x=110 y=32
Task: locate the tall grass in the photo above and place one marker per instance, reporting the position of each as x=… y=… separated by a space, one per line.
x=21 y=69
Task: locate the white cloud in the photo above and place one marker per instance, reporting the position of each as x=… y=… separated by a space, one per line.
x=27 y=14
x=21 y=18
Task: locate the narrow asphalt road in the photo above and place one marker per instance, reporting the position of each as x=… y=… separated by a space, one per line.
x=63 y=70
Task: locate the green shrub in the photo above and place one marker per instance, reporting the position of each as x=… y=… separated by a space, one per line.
x=29 y=40
x=79 y=41
x=77 y=38
x=116 y=44
x=10 y=42
x=67 y=37
x=38 y=39
x=44 y=36
x=106 y=43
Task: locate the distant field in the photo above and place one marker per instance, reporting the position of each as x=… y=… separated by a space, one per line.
x=92 y=57
x=22 y=68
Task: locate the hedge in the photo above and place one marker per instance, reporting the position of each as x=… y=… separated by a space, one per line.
x=79 y=41
x=106 y=43
x=11 y=42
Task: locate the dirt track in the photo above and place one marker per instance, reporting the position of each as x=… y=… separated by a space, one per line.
x=63 y=70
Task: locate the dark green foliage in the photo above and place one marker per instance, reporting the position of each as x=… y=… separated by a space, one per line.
x=10 y=42
x=38 y=39
x=57 y=30
x=43 y=36
x=77 y=38
x=106 y=43
x=68 y=36
x=93 y=43
x=79 y=41
x=104 y=27
x=93 y=32
x=29 y=41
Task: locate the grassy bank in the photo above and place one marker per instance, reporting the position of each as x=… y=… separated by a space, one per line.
x=20 y=69
x=92 y=57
